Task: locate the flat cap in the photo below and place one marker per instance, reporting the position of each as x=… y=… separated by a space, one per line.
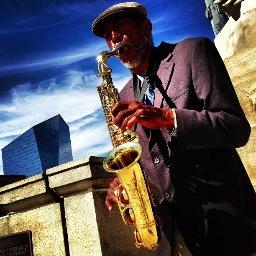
x=114 y=11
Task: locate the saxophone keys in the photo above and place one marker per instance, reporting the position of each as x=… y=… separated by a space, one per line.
x=123 y=201
x=122 y=195
x=138 y=240
x=129 y=216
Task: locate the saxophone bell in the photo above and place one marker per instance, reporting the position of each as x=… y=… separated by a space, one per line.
x=122 y=157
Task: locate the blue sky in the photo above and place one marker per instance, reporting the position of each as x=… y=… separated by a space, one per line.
x=48 y=63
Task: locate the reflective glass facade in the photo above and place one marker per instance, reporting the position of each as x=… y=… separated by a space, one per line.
x=45 y=145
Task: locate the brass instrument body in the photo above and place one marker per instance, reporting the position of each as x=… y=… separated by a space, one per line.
x=134 y=201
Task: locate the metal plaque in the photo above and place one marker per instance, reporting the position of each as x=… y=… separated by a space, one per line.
x=19 y=244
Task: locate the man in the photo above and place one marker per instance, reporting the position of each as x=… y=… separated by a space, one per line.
x=189 y=121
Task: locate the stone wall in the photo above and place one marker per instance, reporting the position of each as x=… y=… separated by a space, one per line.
x=64 y=210
x=236 y=44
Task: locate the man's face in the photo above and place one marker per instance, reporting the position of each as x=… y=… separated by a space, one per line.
x=137 y=36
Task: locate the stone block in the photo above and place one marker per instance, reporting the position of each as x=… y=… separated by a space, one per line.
x=44 y=223
x=100 y=232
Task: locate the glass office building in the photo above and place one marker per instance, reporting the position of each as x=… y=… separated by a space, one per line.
x=43 y=146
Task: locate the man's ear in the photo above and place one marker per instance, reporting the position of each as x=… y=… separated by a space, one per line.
x=147 y=25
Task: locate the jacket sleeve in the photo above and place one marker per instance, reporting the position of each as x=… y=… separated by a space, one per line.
x=221 y=121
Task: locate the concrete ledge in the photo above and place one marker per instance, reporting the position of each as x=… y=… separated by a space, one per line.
x=85 y=174
x=24 y=194
x=22 y=189
x=79 y=175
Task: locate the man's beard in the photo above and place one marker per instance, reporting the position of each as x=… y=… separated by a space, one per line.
x=140 y=52
x=132 y=64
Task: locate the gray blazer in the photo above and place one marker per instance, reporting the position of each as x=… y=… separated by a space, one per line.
x=199 y=169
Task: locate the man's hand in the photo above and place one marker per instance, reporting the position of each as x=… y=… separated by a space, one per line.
x=111 y=198
x=129 y=113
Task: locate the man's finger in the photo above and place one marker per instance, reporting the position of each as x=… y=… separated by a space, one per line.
x=111 y=198
x=119 y=106
x=122 y=115
x=123 y=126
x=132 y=122
x=110 y=201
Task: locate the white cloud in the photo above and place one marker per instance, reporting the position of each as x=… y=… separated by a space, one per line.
x=58 y=59
x=91 y=141
x=75 y=98
x=29 y=107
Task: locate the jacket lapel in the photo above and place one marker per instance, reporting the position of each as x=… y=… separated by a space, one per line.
x=164 y=73
x=127 y=92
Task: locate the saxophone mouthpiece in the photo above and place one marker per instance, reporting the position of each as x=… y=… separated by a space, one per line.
x=120 y=47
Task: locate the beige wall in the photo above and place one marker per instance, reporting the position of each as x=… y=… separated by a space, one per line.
x=237 y=46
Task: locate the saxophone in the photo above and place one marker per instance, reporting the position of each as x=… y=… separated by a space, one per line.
x=134 y=200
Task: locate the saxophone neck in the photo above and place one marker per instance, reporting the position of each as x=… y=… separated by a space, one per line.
x=103 y=68
x=102 y=58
